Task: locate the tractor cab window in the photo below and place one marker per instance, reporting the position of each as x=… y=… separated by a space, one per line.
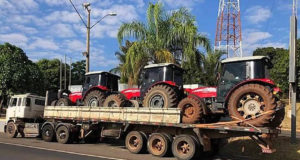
x=178 y=78
x=234 y=72
x=13 y=102
x=153 y=75
x=261 y=69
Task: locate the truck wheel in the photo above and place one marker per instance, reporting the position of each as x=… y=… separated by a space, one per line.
x=114 y=100
x=63 y=135
x=11 y=130
x=94 y=99
x=48 y=133
x=184 y=147
x=192 y=110
x=160 y=96
x=249 y=102
x=159 y=144
x=63 y=102
x=136 y=142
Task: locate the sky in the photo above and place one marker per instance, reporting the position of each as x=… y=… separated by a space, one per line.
x=51 y=28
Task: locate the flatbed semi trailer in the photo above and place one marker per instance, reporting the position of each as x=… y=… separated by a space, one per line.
x=158 y=131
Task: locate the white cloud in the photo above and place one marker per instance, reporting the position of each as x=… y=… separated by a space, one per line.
x=258 y=14
x=17 y=6
x=15 y=39
x=62 y=30
x=254 y=39
x=43 y=44
x=182 y=3
x=35 y=56
x=25 y=29
x=75 y=46
x=63 y=16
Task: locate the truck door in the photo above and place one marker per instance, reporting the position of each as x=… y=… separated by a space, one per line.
x=11 y=111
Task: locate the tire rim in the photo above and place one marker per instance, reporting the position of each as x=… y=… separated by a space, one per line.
x=183 y=148
x=48 y=132
x=157 y=101
x=10 y=129
x=93 y=102
x=112 y=104
x=188 y=110
x=62 y=134
x=134 y=142
x=250 y=105
x=157 y=146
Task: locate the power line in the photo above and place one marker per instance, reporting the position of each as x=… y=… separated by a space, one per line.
x=78 y=13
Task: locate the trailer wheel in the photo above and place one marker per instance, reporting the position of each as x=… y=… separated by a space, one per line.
x=63 y=102
x=63 y=135
x=94 y=99
x=114 y=100
x=249 y=102
x=136 y=142
x=160 y=96
x=184 y=147
x=159 y=144
x=48 y=133
x=11 y=130
x=192 y=110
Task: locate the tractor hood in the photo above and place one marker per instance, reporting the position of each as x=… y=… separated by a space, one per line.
x=131 y=93
x=203 y=92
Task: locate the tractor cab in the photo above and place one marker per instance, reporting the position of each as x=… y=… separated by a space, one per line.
x=152 y=74
x=104 y=80
x=242 y=69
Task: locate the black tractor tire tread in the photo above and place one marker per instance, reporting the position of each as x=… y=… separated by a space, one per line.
x=66 y=101
x=198 y=106
x=119 y=99
x=96 y=93
x=171 y=101
x=265 y=93
x=48 y=138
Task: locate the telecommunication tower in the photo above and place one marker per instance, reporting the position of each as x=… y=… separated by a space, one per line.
x=229 y=33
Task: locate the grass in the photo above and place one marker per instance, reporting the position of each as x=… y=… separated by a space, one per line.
x=245 y=148
x=286 y=124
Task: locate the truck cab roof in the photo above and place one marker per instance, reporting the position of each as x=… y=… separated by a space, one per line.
x=101 y=72
x=27 y=95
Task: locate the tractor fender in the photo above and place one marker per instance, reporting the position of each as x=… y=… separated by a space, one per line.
x=265 y=81
x=131 y=93
x=170 y=83
x=101 y=88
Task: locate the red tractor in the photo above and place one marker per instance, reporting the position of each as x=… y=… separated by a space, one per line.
x=244 y=91
x=161 y=86
x=97 y=86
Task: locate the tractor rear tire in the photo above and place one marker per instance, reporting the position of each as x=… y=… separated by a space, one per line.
x=94 y=99
x=63 y=102
x=160 y=96
x=114 y=100
x=253 y=102
x=192 y=110
x=278 y=116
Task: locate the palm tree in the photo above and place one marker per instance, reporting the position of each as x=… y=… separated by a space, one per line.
x=159 y=39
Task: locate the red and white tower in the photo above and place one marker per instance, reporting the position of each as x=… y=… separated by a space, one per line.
x=229 y=32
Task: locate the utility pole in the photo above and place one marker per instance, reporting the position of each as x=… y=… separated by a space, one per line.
x=88 y=28
x=87 y=61
x=292 y=70
x=60 y=75
x=65 y=80
x=70 y=73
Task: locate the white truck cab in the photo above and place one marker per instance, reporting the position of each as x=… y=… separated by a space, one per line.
x=25 y=106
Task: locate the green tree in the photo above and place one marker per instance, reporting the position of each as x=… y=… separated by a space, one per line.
x=280 y=59
x=50 y=73
x=157 y=41
x=78 y=72
x=18 y=74
x=121 y=56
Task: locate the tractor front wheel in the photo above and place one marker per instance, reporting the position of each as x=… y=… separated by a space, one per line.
x=114 y=100
x=254 y=103
x=94 y=99
x=192 y=110
x=160 y=96
x=63 y=102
